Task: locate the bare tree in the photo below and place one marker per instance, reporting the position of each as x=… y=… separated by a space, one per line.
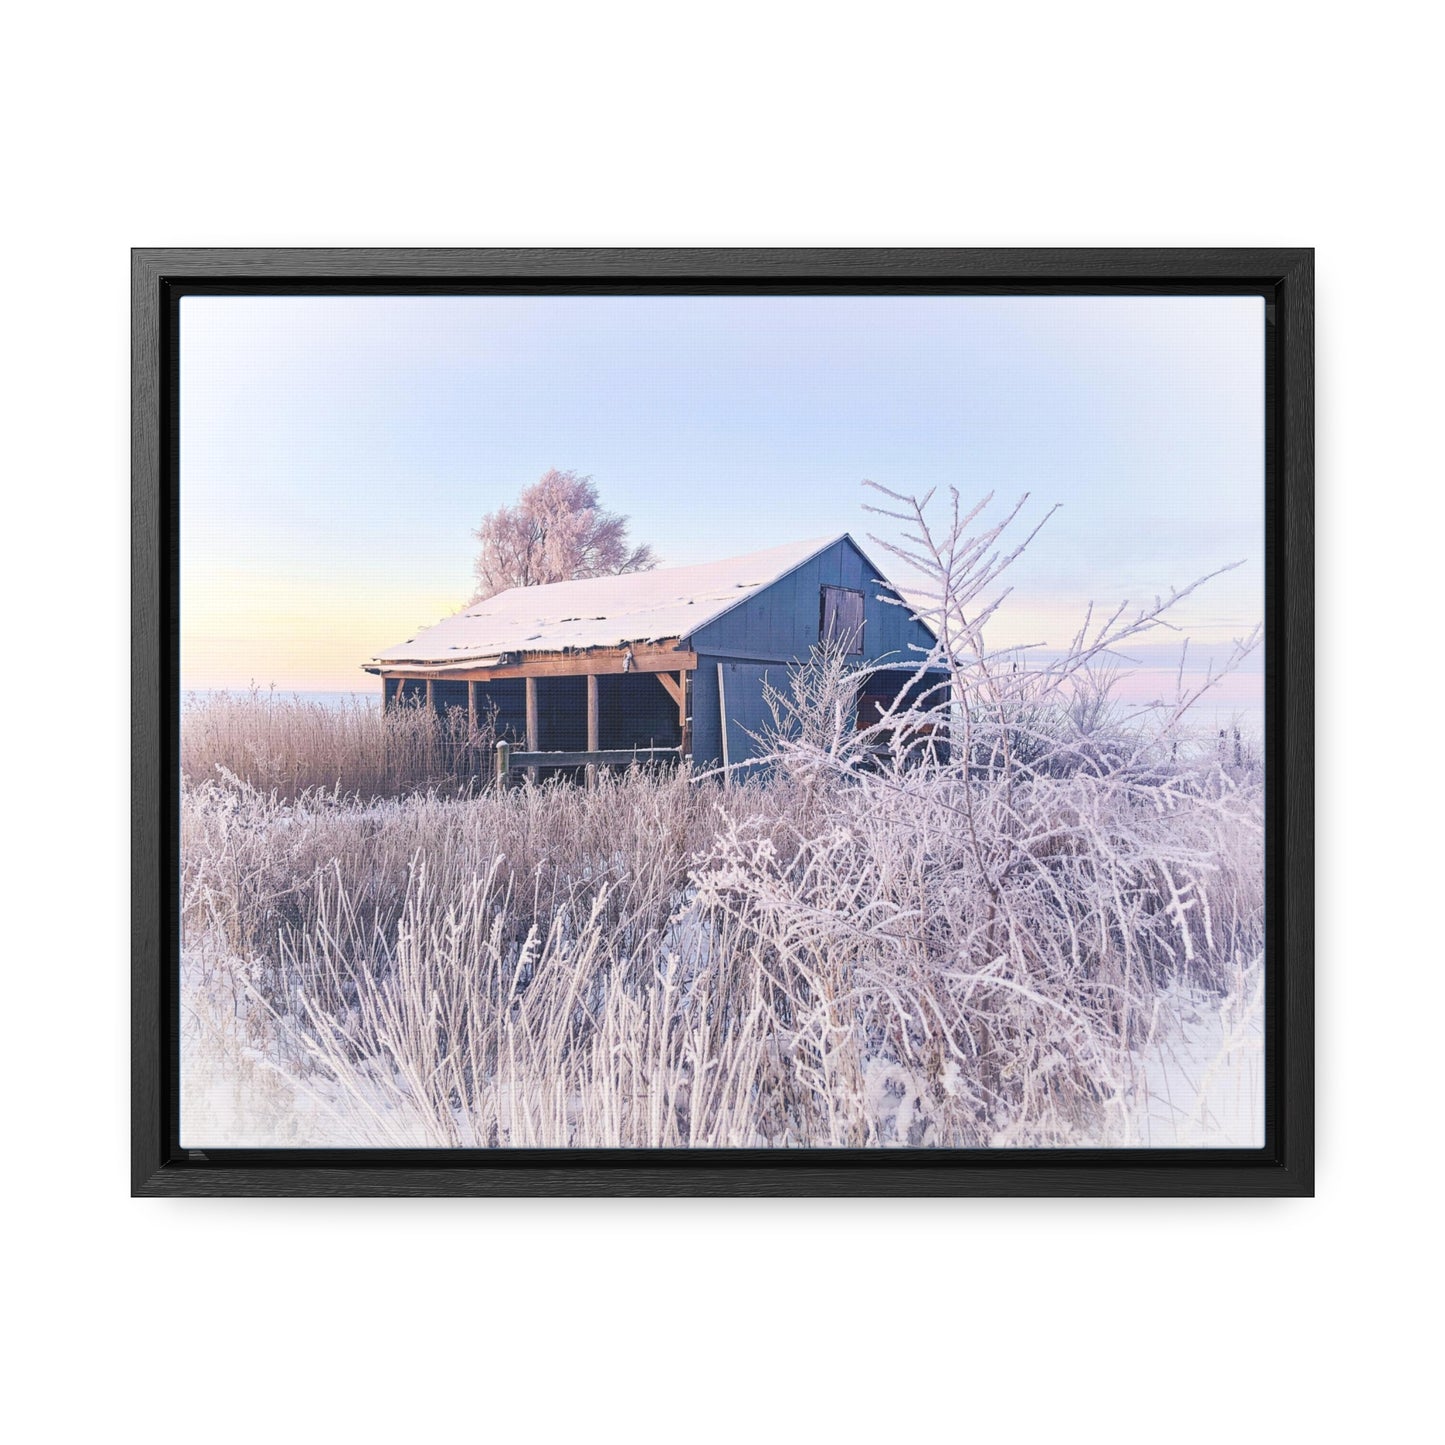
x=556 y=532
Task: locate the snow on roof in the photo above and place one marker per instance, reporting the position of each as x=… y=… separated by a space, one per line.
x=600 y=611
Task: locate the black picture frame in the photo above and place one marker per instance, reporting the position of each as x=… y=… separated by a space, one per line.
x=1283 y=1167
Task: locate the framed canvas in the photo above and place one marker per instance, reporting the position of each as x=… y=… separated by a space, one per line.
x=722 y=722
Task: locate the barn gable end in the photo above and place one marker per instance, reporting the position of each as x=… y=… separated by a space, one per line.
x=780 y=622
x=757 y=640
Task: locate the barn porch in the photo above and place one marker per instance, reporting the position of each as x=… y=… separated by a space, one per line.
x=600 y=706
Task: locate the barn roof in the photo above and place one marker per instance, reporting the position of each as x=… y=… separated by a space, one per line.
x=599 y=612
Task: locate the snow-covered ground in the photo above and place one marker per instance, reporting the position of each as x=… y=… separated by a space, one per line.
x=1202 y=1083
x=1199 y=1083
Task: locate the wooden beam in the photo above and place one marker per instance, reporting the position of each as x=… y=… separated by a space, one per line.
x=686 y=680
x=429 y=703
x=755 y=654
x=600 y=661
x=674 y=689
x=610 y=757
x=593 y=724
x=533 y=731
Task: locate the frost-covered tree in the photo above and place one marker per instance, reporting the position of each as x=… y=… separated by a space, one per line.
x=556 y=532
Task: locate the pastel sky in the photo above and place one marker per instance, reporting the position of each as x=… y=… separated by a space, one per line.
x=337 y=452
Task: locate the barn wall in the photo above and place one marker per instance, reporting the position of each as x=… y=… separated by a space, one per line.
x=781 y=621
x=747 y=712
x=508 y=694
x=634 y=710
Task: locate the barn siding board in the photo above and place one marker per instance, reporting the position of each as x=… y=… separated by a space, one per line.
x=706 y=734
x=747 y=712
x=748 y=716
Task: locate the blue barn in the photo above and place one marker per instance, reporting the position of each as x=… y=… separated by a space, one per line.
x=675 y=659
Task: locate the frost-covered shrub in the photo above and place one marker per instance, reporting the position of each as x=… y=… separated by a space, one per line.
x=984 y=932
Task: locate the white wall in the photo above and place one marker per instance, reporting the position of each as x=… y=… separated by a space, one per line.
x=745 y=124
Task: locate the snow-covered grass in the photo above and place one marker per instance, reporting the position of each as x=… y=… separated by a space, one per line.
x=1010 y=915
x=658 y=962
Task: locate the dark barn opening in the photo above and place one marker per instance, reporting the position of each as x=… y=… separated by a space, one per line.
x=561 y=714
x=896 y=688
x=448 y=696
x=634 y=710
x=503 y=703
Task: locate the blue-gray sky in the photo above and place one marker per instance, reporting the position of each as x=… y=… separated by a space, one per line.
x=336 y=452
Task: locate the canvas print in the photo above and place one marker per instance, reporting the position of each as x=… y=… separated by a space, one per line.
x=721 y=721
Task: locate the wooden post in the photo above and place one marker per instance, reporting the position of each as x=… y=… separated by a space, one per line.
x=722 y=707
x=431 y=713
x=687 y=717
x=385 y=745
x=504 y=761
x=592 y=724
x=473 y=762
x=532 y=728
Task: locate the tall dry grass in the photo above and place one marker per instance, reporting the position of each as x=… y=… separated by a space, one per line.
x=290 y=745
x=411 y=965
